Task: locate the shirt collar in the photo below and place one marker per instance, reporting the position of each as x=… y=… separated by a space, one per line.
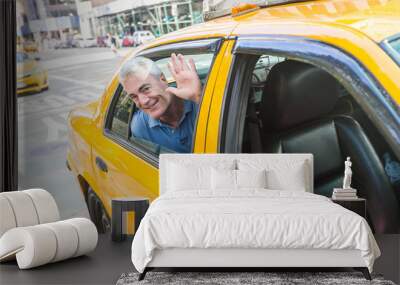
x=188 y=107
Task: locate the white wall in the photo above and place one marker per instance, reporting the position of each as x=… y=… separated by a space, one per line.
x=85 y=13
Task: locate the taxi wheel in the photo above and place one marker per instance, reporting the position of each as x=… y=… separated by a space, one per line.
x=97 y=212
x=105 y=221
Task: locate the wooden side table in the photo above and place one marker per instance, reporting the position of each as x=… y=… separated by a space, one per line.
x=119 y=206
x=357 y=205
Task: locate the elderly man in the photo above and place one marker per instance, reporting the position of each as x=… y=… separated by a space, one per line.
x=166 y=115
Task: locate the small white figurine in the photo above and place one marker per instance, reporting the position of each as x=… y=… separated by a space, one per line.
x=347 y=174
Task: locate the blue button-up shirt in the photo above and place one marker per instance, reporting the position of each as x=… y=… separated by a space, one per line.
x=176 y=139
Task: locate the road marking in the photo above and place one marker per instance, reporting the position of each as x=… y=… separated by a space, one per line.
x=46 y=148
x=78 y=82
x=84 y=94
x=36 y=114
x=66 y=101
x=101 y=67
x=58 y=101
x=55 y=129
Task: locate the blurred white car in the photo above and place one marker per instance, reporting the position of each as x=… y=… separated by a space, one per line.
x=141 y=37
x=84 y=43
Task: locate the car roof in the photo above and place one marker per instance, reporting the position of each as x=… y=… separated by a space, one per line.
x=376 y=19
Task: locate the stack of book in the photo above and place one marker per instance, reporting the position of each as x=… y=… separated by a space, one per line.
x=343 y=194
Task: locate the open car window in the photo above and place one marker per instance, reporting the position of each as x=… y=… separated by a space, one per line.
x=202 y=61
x=260 y=73
x=123 y=114
x=294 y=104
x=157 y=146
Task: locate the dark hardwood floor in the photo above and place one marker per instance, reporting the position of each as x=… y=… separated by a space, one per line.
x=110 y=259
x=102 y=266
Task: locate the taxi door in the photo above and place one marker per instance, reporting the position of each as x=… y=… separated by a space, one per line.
x=216 y=109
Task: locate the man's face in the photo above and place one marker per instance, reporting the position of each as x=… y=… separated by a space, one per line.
x=148 y=93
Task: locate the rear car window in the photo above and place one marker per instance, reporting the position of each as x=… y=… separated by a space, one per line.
x=121 y=114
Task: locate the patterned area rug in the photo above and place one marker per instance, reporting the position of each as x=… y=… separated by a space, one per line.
x=230 y=278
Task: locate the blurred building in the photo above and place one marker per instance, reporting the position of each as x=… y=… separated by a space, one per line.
x=122 y=17
x=46 y=19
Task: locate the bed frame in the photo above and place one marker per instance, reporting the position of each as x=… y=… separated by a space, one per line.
x=242 y=258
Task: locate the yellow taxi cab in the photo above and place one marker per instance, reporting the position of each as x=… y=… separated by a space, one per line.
x=320 y=77
x=31 y=76
x=30 y=46
x=27 y=45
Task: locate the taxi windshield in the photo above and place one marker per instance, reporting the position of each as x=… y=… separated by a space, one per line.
x=392 y=47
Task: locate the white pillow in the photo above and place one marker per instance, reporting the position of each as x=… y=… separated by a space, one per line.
x=223 y=179
x=251 y=178
x=281 y=174
x=183 y=176
x=236 y=179
x=291 y=179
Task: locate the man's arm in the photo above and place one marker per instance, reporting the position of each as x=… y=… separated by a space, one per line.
x=188 y=85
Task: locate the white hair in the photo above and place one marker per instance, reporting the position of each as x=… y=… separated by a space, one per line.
x=139 y=66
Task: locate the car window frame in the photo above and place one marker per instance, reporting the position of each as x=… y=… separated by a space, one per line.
x=196 y=47
x=363 y=86
x=387 y=47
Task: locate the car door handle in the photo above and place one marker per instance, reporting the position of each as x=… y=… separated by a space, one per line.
x=101 y=164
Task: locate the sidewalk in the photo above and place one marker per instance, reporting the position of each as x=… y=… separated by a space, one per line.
x=64 y=60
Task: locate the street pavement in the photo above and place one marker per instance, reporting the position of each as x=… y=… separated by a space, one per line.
x=75 y=78
x=55 y=59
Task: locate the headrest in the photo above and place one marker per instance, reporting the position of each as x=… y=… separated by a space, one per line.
x=295 y=93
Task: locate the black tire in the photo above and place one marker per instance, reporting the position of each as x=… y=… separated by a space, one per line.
x=97 y=212
x=105 y=220
x=91 y=204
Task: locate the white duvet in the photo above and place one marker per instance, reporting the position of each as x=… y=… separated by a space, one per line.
x=250 y=218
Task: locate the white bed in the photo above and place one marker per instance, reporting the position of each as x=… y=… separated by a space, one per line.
x=198 y=222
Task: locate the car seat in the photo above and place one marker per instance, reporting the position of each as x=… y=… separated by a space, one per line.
x=297 y=99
